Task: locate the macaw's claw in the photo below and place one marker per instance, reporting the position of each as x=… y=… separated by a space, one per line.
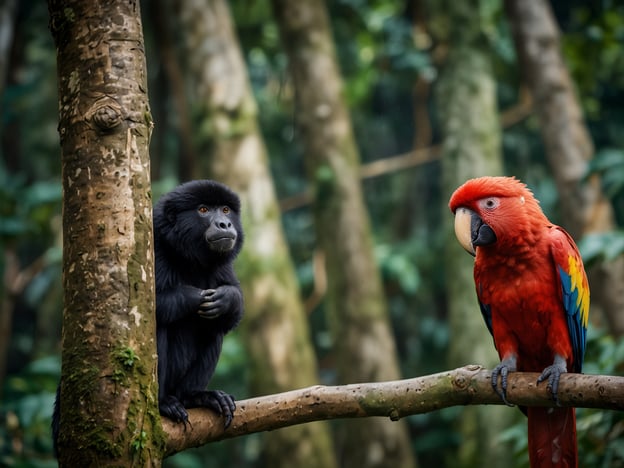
x=552 y=374
x=503 y=369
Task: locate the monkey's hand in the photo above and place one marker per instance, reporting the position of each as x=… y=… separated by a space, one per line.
x=216 y=302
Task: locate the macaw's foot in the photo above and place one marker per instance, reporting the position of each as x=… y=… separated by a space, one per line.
x=552 y=374
x=503 y=369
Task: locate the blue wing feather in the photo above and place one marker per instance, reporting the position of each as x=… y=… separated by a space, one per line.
x=574 y=291
x=575 y=316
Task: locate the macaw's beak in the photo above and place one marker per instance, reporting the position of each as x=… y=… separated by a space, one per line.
x=471 y=231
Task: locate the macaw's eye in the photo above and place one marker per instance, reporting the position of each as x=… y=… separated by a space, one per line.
x=489 y=203
x=226 y=209
x=203 y=209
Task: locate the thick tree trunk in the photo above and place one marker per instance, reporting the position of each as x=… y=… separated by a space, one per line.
x=568 y=144
x=466 y=95
x=363 y=340
x=275 y=326
x=108 y=412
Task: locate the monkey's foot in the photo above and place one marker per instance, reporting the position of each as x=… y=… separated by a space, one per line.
x=503 y=369
x=553 y=373
x=217 y=400
x=173 y=409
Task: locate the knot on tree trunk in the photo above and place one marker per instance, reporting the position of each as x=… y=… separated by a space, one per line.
x=106 y=114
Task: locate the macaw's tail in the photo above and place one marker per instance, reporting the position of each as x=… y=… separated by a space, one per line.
x=552 y=437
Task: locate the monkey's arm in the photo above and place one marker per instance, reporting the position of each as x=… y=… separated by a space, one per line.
x=178 y=302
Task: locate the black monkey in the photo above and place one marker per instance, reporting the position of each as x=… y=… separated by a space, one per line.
x=197 y=235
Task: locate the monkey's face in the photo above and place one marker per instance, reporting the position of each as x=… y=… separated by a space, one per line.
x=199 y=223
x=220 y=233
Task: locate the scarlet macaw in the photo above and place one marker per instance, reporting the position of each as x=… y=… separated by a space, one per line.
x=534 y=297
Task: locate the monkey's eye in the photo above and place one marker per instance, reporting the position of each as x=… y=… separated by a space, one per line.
x=203 y=209
x=489 y=203
x=225 y=209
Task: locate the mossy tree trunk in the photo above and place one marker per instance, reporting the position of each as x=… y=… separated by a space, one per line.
x=466 y=95
x=363 y=342
x=108 y=413
x=568 y=144
x=275 y=326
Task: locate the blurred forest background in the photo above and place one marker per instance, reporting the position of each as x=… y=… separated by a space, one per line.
x=344 y=126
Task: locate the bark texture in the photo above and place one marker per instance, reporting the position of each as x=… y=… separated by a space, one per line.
x=584 y=209
x=466 y=95
x=109 y=412
x=363 y=341
x=275 y=325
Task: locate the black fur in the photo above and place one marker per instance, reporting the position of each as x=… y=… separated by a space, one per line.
x=197 y=236
x=198 y=297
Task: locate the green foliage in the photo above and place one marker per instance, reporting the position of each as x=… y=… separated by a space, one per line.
x=377 y=47
x=397 y=267
x=140 y=442
x=594 y=52
x=434 y=436
x=607 y=246
x=127 y=357
x=26 y=209
x=609 y=164
x=25 y=412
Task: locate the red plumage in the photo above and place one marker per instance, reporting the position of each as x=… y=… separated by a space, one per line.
x=534 y=297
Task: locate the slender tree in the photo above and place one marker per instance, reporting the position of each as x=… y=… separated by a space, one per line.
x=471 y=147
x=12 y=283
x=363 y=342
x=108 y=392
x=275 y=326
x=568 y=143
x=7 y=26
x=160 y=14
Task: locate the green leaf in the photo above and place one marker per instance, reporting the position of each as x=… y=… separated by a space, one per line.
x=50 y=365
x=607 y=245
x=43 y=192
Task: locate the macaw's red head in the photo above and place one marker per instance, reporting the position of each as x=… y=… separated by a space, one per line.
x=498 y=213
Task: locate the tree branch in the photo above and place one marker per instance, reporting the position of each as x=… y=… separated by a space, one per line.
x=509 y=117
x=468 y=385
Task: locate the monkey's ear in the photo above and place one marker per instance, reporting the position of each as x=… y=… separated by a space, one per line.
x=170 y=210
